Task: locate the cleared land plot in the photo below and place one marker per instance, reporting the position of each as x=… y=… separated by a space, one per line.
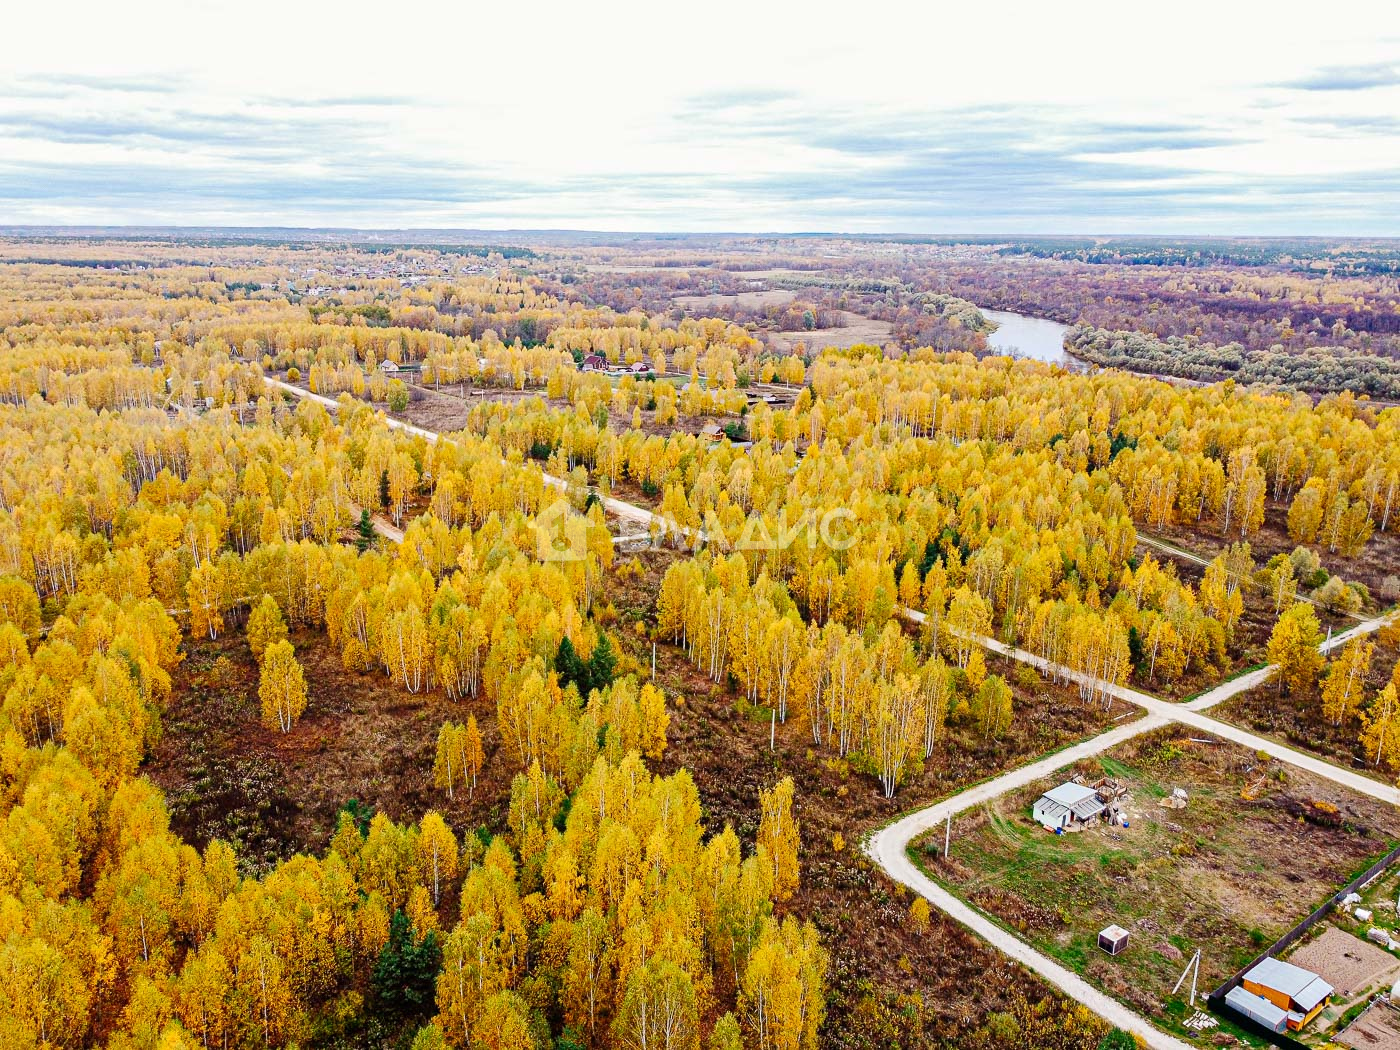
x=1256 y=849
x=445 y=409
x=1345 y=961
x=755 y=300
x=1377 y=1029
x=855 y=329
x=775 y=271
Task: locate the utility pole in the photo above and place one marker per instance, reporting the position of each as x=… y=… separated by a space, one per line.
x=1194 y=969
x=947 y=836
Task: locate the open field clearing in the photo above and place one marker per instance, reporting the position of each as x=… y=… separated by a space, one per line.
x=1256 y=847
x=755 y=300
x=854 y=330
x=1376 y=1029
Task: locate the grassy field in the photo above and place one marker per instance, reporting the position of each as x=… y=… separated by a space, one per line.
x=1256 y=849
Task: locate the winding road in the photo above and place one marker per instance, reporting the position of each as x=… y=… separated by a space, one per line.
x=888 y=846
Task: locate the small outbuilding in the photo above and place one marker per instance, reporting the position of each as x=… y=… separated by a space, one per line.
x=1066 y=806
x=1257 y=1009
x=1113 y=939
x=388 y=367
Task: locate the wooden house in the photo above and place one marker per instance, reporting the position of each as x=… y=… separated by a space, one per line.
x=1300 y=993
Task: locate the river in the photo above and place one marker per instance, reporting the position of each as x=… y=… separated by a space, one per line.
x=1032 y=337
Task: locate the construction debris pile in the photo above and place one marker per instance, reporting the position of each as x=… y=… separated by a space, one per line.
x=1176 y=800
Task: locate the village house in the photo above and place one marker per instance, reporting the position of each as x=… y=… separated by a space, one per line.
x=594 y=363
x=1299 y=993
x=1067 y=806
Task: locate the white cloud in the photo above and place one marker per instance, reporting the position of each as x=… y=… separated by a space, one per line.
x=725 y=116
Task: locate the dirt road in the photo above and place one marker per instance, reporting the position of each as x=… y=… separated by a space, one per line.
x=1174 y=551
x=1191 y=714
x=619 y=508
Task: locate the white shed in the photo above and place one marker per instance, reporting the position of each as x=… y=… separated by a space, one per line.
x=1067 y=805
x=1113 y=939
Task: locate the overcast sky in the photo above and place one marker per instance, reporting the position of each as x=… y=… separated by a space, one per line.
x=871 y=116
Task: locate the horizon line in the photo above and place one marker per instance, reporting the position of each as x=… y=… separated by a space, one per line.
x=19 y=229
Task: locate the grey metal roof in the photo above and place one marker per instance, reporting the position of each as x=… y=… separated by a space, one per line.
x=1257 y=1008
x=1051 y=808
x=1313 y=994
x=1082 y=801
x=1302 y=986
x=1070 y=795
x=1090 y=807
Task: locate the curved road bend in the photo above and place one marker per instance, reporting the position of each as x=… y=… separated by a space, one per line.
x=888 y=846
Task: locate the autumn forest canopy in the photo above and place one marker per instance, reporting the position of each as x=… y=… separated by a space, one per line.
x=475 y=644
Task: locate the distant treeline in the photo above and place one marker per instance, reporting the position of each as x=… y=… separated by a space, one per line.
x=1319 y=369
x=1304 y=255
x=482 y=251
x=1261 y=309
x=90 y=264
